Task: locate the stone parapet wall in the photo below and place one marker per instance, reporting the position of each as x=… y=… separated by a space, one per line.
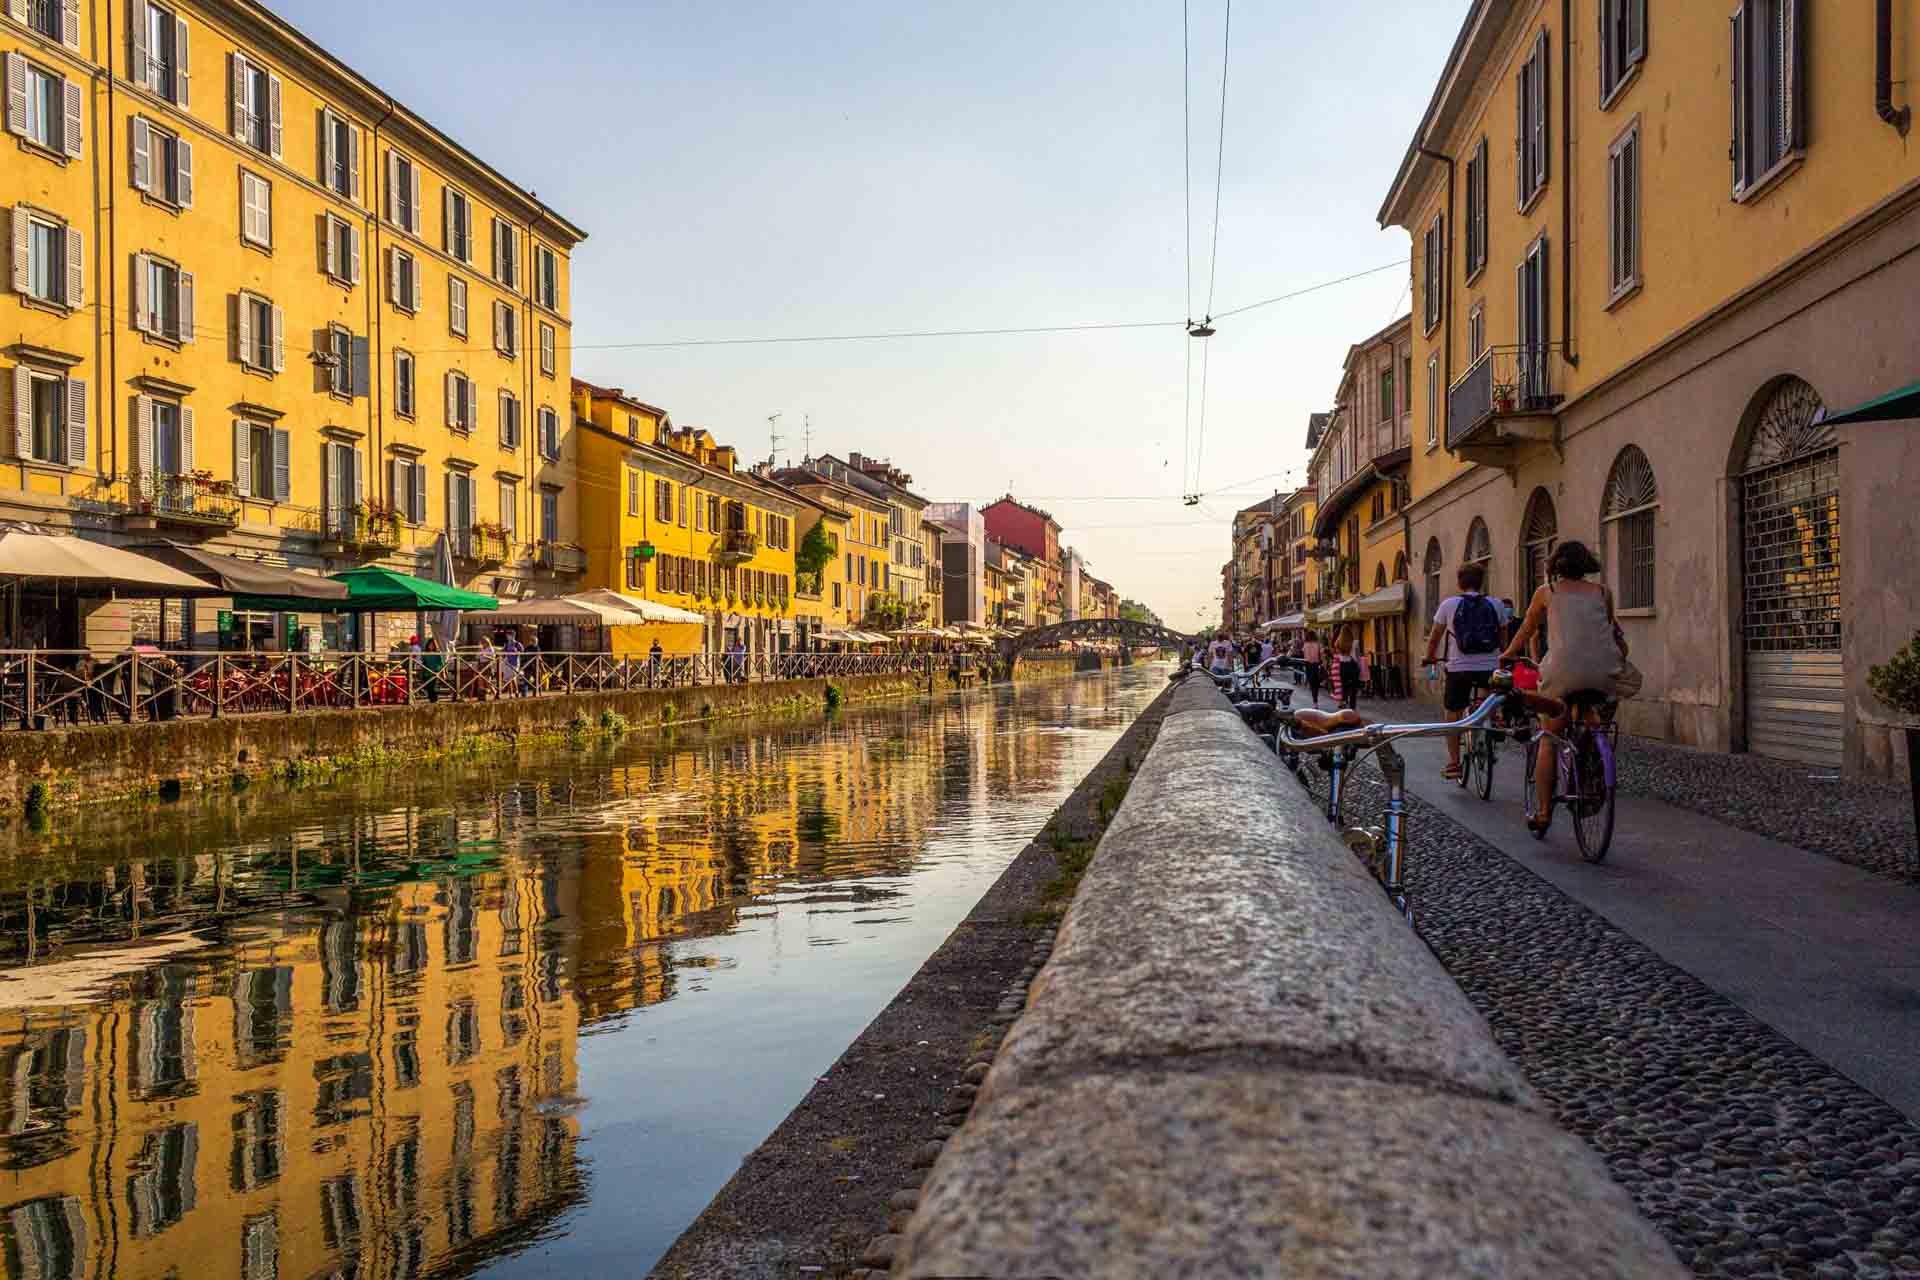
x=100 y=762
x=1239 y=1061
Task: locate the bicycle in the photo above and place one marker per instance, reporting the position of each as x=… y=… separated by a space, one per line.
x=1585 y=756
x=1345 y=737
x=1477 y=755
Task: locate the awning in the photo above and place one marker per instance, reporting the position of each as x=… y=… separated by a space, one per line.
x=1384 y=603
x=1895 y=405
x=375 y=590
x=92 y=566
x=243 y=577
x=560 y=611
x=649 y=610
x=1288 y=623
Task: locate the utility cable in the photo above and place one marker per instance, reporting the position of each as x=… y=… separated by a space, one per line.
x=1219 y=169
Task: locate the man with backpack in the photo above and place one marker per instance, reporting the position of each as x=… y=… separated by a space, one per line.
x=1474 y=625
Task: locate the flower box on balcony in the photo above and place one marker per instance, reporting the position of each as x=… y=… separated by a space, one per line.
x=737 y=546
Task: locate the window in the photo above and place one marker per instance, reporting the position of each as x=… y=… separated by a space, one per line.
x=341 y=241
x=1623 y=204
x=256 y=210
x=403 y=383
x=457 y=306
x=261 y=462
x=456 y=223
x=506 y=254
x=162 y=164
x=50 y=417
x=1623 y=44
x=633 y=493
x=407 y=483
x=160 y=51
x=42 y=107
x=336 y=350
x=162 y=437
x=509 y=505
x=55 y=19
x=1479 y=547
x=1476 y=332
x=546 y=283
x=1386 y=395
x=254 y=118
x=663 y=501
x=461 y=505
x=163 y=299
x=403 y=280
x=463 y=402
x=1531 y=132
x=1432 y=566
x=1476 y=229
x=549 y=515
x=506 y=329
x=549 y=365
x=509 y=420
x=549 y=434
x=1433 y=272
x=49 y=259
x=1769 y=90
x=684 y=492
x=339 y=156
x=403 y=193
x=344 y=472
x=259 y=339
x=1632 y=501
x=1533 y=329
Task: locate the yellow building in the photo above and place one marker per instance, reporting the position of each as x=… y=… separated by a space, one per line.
x=668 y=515
x=1659 y=251
x=864 y=570
x=260 y=305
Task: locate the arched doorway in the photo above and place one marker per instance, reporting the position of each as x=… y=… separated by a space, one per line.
x=1789 y=490
x=1538 y=534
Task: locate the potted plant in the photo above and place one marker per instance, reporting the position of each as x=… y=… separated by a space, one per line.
x=1503 y=394
x=1896 y=682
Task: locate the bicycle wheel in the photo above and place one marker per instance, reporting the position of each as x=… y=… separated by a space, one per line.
x=1483 y=763
x=1530 y=795
x=1592 y=801
x=1466 y=760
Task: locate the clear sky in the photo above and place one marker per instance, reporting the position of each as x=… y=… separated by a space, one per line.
x=755 y=169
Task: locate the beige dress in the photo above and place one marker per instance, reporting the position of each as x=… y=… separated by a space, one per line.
x=1582 y=653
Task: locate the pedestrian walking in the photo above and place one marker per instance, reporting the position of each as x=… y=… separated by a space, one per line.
x=1313 y=653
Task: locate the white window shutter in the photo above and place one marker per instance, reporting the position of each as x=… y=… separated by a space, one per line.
x=243 y=459
x=329 y=148
x=453 y=400
x=353 y=163
x=142 y=303
x=273 y=114
x=453 y=500
x=329 y=252
x=184 y=307
x=183 y=174
x=77 y=432
x=242 y=107
x=142 y=434
x=394 y=489
x=76 y=269
x=186 y=440
x=393 y=188
x=446 y=220
x=17 y=10
x=76 y=123
x=182 y=64
x=22 y=263
x=22 y=412
x=393 y=276
x=137 y=31
x=414 y=170
x=359 y=458
x=330 y=474
x=142 y=137
x=418 y=496
x=16 y=94
x=282 y=465
x=243 y=329
x=70 y=23
x=279 y=340
x=353 y=247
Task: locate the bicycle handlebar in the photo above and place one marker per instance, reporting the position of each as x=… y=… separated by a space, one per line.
x=1375 y=735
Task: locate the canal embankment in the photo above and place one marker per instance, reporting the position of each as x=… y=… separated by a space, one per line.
x=68 y=767
x=843 y=1168
x=1239 y=1061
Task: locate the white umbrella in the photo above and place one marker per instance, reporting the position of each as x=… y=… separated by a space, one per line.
x=649 y=610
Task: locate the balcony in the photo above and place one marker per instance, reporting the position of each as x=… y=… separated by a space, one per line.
x=806 y=586
x=483 y=545
x=737 y=546
x=366 y=528
x=560 y=557
x=189 y=502
x=1508 y=400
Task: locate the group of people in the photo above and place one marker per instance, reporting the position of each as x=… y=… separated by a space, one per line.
x=1335 y=663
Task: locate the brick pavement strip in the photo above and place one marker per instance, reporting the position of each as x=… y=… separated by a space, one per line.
x=1749 y=1154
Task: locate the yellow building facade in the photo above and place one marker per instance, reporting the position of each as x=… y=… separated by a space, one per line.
x=261 y=306
x=668 y=516
x=1656 y=253
x=865 y=558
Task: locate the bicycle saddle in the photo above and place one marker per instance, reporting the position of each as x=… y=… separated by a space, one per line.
x=1308 y=723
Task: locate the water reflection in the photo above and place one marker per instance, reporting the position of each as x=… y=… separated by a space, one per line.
x=339 y=1032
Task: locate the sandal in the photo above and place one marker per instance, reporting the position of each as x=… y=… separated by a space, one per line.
x=1451 y=773
x=1538 y=827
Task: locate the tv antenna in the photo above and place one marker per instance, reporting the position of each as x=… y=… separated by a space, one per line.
x=806 y=433
x=773 y=439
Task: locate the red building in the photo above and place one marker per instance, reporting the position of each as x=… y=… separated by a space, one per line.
x=1037 y=535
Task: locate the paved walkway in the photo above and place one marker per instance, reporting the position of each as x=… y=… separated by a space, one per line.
x=1826 y=954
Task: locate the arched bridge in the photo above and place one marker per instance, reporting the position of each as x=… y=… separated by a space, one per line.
x=1147 y=634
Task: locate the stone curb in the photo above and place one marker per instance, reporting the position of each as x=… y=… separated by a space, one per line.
x=1238 y=1061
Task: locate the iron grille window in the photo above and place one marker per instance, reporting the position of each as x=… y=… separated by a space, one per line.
x=1635 y=537
x=1790 y=528
x=1631 y=506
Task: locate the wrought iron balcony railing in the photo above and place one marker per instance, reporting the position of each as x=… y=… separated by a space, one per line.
x=481 y=546
x=737 y=546
x=176 y=499
x=561 y=557
x=1505 y=382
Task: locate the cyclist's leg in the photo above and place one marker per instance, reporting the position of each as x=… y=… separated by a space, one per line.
x=1454 y=700
x=1546 y=771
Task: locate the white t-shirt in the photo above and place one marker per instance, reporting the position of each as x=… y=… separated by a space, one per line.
x=1220 y=657
x=1457 y=661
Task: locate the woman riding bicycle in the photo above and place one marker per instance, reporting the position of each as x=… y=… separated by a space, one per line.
x=1586 y=651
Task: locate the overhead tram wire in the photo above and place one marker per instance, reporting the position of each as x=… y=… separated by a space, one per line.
x=1205 y=328
x=1186 y=244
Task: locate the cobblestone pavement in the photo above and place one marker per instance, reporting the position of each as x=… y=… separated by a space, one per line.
x=1752 y=1156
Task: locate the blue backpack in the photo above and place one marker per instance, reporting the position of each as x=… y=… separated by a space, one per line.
x=1476 y=626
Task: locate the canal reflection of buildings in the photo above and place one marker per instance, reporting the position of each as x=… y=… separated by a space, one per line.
x=380 y=1080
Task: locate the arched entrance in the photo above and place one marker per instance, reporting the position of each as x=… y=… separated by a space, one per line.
x=1789 y=492
x=1538 y=534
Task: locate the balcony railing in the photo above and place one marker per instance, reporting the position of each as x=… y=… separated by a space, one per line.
x=155 y=498
x=361 y=528
x=561 y=557
x=737 y=546
x=480 y=545
x=1506 y=382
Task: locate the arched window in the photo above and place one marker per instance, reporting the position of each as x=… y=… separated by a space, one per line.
x=1626 y=521
x=1432 y=566
x=1480 y=549
x=1379 y=576
x=1400 y=567
x=1537 y=538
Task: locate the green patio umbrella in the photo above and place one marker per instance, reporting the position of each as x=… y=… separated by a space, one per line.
x=1895 y=405
x=375 y=590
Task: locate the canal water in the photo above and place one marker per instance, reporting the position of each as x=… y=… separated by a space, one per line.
x=516 y=1018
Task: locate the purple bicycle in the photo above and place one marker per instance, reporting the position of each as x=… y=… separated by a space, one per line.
x=1585 y=754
